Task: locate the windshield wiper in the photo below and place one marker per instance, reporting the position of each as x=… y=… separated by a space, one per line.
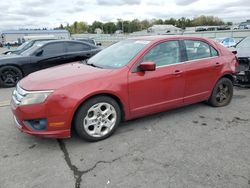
x=92 y=64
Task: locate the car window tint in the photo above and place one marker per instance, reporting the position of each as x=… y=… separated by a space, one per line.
x=214 y=52
x=54 y=48
x=197 y=49
x=165 y=53
x=76 y=47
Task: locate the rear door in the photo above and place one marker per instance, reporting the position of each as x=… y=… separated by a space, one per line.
x=77 y=51
x=154 y=91
x=203 y=66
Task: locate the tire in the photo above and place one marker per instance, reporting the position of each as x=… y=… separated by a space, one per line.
x=9 y=76
x=222 y=93
x=97 y=118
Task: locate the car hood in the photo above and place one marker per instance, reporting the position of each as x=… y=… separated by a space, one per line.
x=243 y=52
x=61 y=76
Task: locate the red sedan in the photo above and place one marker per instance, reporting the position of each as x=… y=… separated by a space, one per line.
x=130 y=79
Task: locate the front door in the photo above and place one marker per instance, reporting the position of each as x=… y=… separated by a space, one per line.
x=155 y=91
x=52 y=54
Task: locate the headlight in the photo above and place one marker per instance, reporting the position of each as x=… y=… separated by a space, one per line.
x=34 y=98
x=24 y=97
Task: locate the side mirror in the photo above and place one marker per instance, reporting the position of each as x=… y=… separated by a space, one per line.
x=39 y=52
x=98 y=44
x=147 y=66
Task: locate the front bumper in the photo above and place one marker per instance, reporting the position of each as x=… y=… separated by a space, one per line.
x=243 y=76
x=58 y=125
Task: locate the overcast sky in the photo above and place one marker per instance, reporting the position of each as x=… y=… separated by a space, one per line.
x=16 y=14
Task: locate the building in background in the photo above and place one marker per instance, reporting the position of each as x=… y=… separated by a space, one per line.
x=19 y=36
x=98 y=31
x=164 y=29
x=158 y=30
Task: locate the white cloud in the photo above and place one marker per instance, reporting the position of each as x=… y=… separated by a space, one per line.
x=42 y=13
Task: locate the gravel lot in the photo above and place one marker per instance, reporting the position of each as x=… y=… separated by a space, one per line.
x=195 y=146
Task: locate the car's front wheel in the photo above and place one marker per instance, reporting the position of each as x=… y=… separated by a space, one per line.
x=222 y=93
x=9 y=76
x=97 y=118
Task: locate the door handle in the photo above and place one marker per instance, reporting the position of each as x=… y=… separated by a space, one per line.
x=177 y=72
x=217 y=64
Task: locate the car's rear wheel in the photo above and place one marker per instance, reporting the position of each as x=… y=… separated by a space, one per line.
x=97 y=118
x=9 y=76
x=222 y=93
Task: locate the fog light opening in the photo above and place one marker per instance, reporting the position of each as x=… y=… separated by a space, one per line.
x=37 y=124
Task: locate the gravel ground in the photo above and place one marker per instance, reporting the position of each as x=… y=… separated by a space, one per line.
x=194 y=146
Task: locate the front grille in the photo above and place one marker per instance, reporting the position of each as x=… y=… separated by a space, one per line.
x=244 y=64
x=18 y=95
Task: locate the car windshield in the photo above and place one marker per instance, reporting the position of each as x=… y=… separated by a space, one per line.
x=245 y=43
x=118 y=55
x=27 y=43
x=32 y=49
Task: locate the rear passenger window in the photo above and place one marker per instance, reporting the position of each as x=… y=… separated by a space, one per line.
x=76 y=47
x=166 y=53
x=213 y=52
x=199 y=50
x=53 y=48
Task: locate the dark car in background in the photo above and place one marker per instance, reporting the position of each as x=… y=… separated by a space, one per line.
x=25 y=46
x=243 y=54
x=42 y=55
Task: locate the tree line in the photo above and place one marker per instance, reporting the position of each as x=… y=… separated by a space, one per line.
x=137 y=25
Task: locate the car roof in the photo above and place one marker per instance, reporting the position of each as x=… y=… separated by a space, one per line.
x=59 y=40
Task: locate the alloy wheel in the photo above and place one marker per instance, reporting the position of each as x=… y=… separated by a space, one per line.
x=9 y=76
x=223 y=93
x=100 y=119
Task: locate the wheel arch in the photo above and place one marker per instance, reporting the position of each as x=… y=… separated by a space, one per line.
x=229 y=76
x=115 y=97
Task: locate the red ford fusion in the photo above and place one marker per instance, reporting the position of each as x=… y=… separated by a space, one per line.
x=132 y=78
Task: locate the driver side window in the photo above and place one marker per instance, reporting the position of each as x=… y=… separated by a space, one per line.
x=165 y=53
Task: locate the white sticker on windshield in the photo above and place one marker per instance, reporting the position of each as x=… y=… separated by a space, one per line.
x=142 y=42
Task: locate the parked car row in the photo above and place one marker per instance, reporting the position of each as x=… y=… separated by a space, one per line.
x=130 y=79
x=37 y=55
